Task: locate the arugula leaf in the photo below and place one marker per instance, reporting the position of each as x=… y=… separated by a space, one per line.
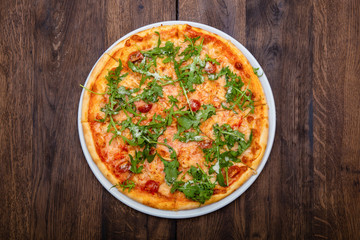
x=199 y=189
x=135 y=161
x=168 y=50
x=233 y=90
x=190 y=136
x=152 y=93
x=147 y=152
x=171 y=170
x=191 y=49
x=127 y=184
x=220 y=179
x=116 y=100
x=257 y=73
x=192 y=73
x=212 y=60
x=205 y=113
x=188 y=121
x=231 y=137
x=172 y=99
x=234 y=95
x=225 y=138
x=171 y=111
x=147 y=73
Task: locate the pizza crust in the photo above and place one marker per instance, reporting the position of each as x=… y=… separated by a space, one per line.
x=96 y=83
x=90 y=143
x=121 y=51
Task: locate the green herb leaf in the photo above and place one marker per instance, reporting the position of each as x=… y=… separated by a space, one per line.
x=127 y=184
x=152 y=93
x=212 y=60
x=220 y=179
x=199 y=189
x=190 y=136
x=188 y=121
x=171 y=170
x=256 y=72
x=134 y=162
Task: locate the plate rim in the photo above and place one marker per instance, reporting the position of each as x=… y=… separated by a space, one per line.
x=190 y=213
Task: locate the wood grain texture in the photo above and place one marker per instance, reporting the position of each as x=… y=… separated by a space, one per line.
x=336 y=120
x=283 y=44
x=16 y=50
x=57 y=50
x=310 y=187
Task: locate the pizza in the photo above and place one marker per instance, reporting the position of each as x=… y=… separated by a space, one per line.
x=175 y=117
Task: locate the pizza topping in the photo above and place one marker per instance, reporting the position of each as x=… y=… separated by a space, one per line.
x=127 y=184
x=238 y=65
x=229 y=145
x=253 y=96
x=236 y=170
x=208 y=39
x=128 y=43
x=135 y=57
x=145 y=108
x=205 y=144
x=171 y=170
x=199 y=189
x=236 y=95
x=135 y=160
x=245 y=160
x=151 y=186
x=256 y=71
x=228 y=175
x=219 y=191
x=238 y=123
x=136 y=38
x=210 y=68
x=124 y=167
x=194 y=105
x=188 y=124
x=250 y=119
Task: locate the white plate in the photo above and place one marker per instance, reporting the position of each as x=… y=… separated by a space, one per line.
x=212 y=207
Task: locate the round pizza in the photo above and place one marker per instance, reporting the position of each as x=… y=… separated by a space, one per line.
x=175 y=117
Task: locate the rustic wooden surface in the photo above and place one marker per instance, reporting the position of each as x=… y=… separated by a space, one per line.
x=310 y=187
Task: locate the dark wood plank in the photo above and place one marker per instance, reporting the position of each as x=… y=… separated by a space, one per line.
x=228 y=16
x=336 y=120
x=279 y=35
x=16 y=102
x=125 y=16
x=161 y=228
x=120 y=221
x=66 y=197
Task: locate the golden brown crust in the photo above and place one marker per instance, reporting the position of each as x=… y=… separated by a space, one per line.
x=96 y=83
x=216 y=47
x=90 y=143
x=153 y=200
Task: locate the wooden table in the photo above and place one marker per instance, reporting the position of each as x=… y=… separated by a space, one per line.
x=310 y=187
